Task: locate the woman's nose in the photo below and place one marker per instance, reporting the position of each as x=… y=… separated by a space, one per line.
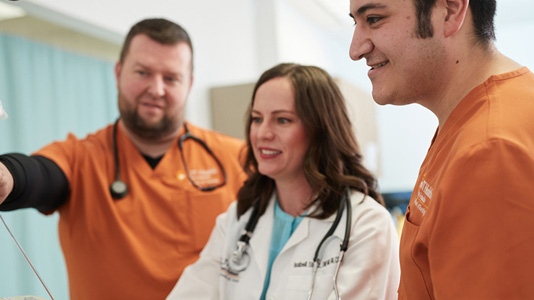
x=265 y=131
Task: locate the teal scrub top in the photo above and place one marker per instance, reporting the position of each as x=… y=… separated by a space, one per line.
x=283 y=227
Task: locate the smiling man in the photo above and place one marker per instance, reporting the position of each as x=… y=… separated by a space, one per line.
x=468 y=225
x=133 y=243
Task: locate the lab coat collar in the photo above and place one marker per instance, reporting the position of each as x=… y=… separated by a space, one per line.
x=261 y=240
x=263 y=232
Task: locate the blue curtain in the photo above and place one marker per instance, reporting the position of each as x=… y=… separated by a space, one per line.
x=47 y=93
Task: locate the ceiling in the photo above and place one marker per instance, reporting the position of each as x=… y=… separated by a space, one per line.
x=336 y=12
x=44 y=24
x=16 y=21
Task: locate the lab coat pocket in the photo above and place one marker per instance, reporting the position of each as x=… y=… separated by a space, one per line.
x=298 y=287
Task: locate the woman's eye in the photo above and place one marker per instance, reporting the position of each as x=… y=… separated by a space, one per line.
x=283 y=120
x=256 y=119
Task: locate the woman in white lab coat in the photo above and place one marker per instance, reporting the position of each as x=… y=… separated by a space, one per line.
x=302 y=160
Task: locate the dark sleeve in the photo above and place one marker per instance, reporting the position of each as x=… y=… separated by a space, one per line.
x=38 y=183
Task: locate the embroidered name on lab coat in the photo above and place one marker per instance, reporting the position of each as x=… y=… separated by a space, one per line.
x=227 y=273
x=309 y=264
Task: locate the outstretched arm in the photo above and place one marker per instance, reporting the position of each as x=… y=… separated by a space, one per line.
x=31 y=181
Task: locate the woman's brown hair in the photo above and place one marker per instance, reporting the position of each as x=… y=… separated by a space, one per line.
x=333 y=160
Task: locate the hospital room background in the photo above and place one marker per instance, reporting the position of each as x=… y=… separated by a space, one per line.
x=56 y=77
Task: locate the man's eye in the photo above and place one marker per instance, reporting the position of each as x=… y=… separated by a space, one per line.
x=373 y=20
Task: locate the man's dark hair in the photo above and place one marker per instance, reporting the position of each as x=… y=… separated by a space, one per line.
x=483 y=12
x=160 y=30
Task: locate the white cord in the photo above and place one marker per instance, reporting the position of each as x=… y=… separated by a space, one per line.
x=26 y=257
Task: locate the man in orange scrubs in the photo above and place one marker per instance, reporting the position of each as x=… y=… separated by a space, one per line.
x=469 y=225
x=136 y=245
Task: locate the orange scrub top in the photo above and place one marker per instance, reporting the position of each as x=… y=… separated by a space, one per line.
x=469 y=229
x=138 y=246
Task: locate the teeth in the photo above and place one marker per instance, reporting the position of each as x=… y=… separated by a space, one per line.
x=269 y=152
x=379 y=65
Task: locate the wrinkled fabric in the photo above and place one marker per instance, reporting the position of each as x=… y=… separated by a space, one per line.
x=3 y=114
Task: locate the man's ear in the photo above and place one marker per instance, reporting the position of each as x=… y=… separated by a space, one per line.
x=117 y=72
x=456 y=12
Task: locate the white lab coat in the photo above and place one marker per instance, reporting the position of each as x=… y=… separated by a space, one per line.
x=370 y=268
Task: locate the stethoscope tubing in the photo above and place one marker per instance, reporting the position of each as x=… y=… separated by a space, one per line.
x=343 y=246
x=243 y=242
x=189 y=135
x=119 y=189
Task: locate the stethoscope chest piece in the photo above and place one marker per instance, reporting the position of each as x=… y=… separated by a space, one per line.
x=238 y=264
x=240 y=258
x=118 y=189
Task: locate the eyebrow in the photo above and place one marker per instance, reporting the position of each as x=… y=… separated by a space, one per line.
x=146 y=67
x=275 y=112
x=365 y=8
x=138 y=64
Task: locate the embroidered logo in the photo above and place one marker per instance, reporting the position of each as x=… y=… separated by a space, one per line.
x=424 y=194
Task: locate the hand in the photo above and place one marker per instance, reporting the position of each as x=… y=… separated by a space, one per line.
x=6 y=183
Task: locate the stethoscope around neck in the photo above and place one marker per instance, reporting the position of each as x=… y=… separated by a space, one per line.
x=241 y=259
x=119 y=189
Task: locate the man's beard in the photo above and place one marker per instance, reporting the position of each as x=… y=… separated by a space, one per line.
x=141 y=128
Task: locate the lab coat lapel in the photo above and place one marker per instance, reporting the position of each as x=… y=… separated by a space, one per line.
x=261 y=240
x=299 y=235
x=303 y=230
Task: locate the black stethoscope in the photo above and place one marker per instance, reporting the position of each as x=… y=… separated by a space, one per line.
x=240 y=258
x=119 y=189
